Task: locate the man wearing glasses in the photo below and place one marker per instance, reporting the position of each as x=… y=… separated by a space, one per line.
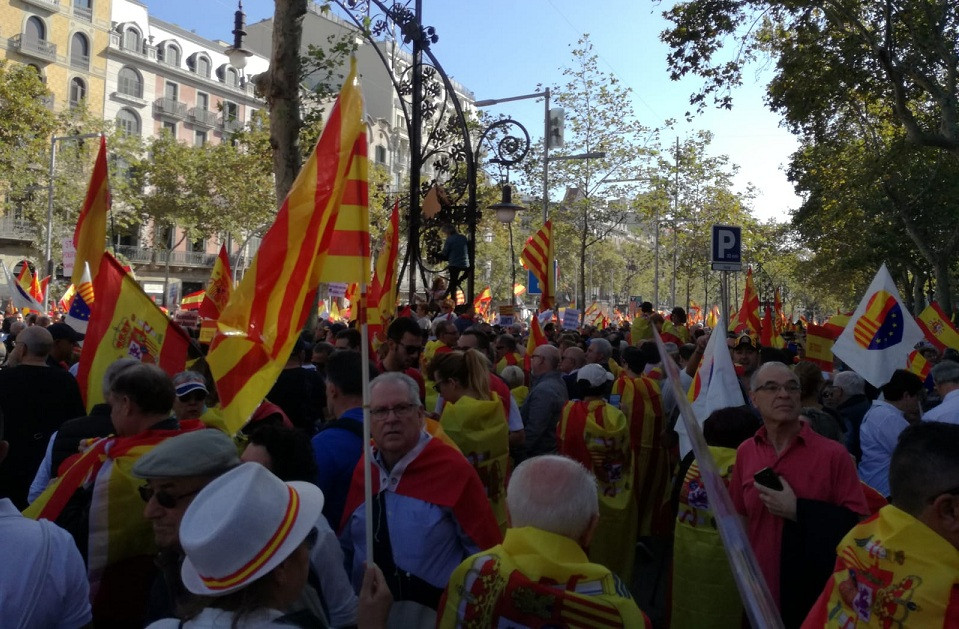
x=404 y=342
x=430 y=510
x=901 y=567
x=793 y=529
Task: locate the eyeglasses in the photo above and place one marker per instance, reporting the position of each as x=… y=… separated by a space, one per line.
x=165 y=500
x=411 y=349
x=402 y=411
x=772 y=387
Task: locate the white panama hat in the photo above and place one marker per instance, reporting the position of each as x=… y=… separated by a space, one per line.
x=241 y=526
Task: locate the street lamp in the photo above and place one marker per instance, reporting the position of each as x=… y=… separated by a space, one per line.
x=505 y=213
x=237 y=53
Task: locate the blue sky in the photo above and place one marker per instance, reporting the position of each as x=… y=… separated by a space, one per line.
x=500 y=48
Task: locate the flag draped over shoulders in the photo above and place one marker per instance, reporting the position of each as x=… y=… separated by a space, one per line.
x=259 y=325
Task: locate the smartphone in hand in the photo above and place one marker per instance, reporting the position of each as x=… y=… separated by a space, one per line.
x=768 y=478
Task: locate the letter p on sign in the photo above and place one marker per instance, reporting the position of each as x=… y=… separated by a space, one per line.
x=727 y=248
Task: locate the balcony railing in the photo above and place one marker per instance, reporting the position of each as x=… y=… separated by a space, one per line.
x=203 y=117
x=17 y=229
x=39 y=48
x=146 y=255
x=169 y=107
x=230 y=124
x=80 y=62
x=46 y=5
x=84 y=13
x=130 y=87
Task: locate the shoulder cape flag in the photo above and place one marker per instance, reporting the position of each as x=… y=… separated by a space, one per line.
x=748 y=320
x=78 y=317
x=89 y=237
x=881 y=333
x=192 y=301
x=382 y=292
x=21 y=298
x=124 y=323
x=259 y=325
x=538 y=256
x=938 y=329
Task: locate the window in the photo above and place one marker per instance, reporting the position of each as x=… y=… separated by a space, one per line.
x=78 y=91
x=231 y=78
x=230 y=110
x=202 y=101
x=171 y=55
x=171 y=91
x=200 y=138
x=203 y=67
x=171 y=127
x=197 y=246
x=128 y=122
x=131 y=39
x=80 y=51
x=380 y=154
x=129 y=82
x=35 y=30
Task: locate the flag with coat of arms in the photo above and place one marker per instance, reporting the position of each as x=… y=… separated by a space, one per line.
x=880 y=334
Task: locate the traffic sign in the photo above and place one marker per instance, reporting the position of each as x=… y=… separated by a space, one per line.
x=727 y=248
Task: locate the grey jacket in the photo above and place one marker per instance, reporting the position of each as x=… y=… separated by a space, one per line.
x=541 y=412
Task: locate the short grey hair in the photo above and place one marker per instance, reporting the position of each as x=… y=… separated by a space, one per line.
x=755 y=379
x=850 y=382
x=553 y=493
x=113 y=370
x=397 y=377
x=945 y=371
x=512 y=375
x=604 y=347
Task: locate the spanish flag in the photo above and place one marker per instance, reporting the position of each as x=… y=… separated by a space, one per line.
x=748 y=319
x=192 y=301
x=938 y=329
x=124 y=323
x=90 y=235
x=538 y=256
x=259 y=325
x=216 y=295
x=819 y=342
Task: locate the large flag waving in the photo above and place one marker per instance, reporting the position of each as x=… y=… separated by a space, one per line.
x=89 y=238
x=125 y=323
x=21 y=296
x=382 y=293
x=259 y=326
x=748 y=318
x=881 y=333
x=538 y=256
x=937 y=327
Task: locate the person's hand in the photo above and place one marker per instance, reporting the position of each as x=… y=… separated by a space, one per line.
x=375 y=599
x=701 y=343
x=781 y=503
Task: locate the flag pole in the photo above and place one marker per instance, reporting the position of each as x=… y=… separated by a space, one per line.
x=361 y=319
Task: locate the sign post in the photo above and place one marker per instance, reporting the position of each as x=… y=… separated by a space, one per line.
x=727 y=255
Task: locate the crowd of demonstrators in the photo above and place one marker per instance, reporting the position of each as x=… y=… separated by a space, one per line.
x=568 y=448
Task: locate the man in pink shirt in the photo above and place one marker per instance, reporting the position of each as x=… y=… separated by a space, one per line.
x=793 y=531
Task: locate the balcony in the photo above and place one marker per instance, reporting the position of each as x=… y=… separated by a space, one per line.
x=12 y=228
x=146 y=51
x=147 y=255
x=230 y=124
x=46 y=5
x=37 y=48
x=202 y=117
x=80 y=62
x=84 y=13
x=169 y=107
x=129 y=91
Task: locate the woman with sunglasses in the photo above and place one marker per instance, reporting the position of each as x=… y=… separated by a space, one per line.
x=473 y=417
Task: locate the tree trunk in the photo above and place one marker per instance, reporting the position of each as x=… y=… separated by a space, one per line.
x=583 y=235
x=283 y=93
x=943 y=288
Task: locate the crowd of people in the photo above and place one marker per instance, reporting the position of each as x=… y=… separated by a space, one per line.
x=513 y=484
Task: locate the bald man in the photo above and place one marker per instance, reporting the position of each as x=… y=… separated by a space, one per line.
x=544 y=404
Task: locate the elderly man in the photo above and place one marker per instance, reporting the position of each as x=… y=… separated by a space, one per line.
x=175 y=471
x=889 y=416
x=540 y=574
x=599 y=352
x=35 y=400
x=793 y=530
x=900 y=568
x=946 y=376
x=429 y=507
x=544 y=404
x=848 y=397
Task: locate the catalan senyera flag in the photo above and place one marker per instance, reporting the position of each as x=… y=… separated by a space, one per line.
x=192 y=301
x=938 y=329
x=81 y=306
x=881 y=333
x=748 y=318
x=89 y=237
x=259 y=325
x=538 y=256
x=382 y=292
x=124 y=322
x=819 y=342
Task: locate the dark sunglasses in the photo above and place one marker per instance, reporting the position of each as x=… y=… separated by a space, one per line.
x=192 y=396
x=412 y=349
x=165 y=500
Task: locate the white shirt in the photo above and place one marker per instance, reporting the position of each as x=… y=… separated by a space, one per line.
x=947 y=411
x=43 y=582
x=878 y=435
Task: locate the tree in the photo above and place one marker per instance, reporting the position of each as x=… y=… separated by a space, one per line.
x=599 y=118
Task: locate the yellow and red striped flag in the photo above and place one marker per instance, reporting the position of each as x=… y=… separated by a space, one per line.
x=712 y=319
x=917 y=364
x=748 y=318
x=518 y=290
x=64 y=303
x=126 y=323
x=538 y=256
x=819 y=342
x=536 y=338
x=89 y=237
x=192 y=301
x=216 y=295
x=780 y=318
x=382 y=293
x=260 y=324
x=938 y=329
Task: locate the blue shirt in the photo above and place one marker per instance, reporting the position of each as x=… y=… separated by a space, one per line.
x=878 y=435
x=947 y=411
x=337 y=452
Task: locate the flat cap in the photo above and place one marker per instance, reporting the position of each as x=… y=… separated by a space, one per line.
x=206 y=452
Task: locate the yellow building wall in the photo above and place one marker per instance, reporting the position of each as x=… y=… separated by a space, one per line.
x=61 y=24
